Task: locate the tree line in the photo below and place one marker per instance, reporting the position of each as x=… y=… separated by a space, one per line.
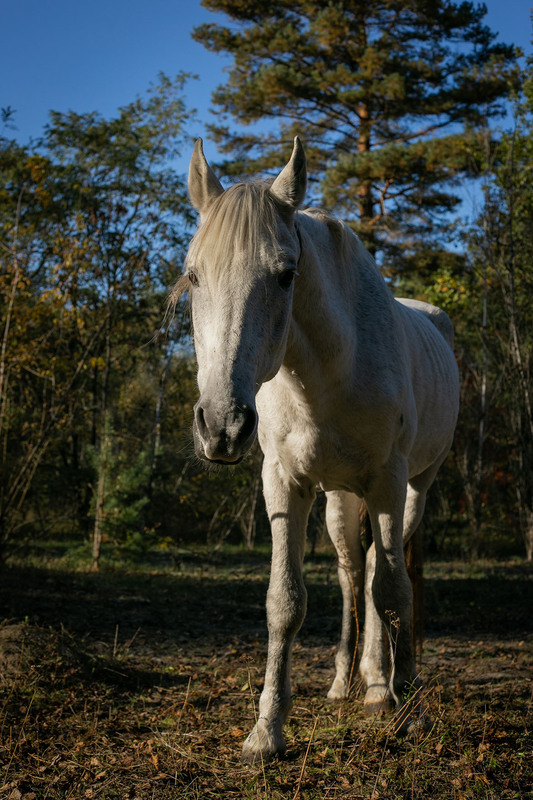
x=398 y=104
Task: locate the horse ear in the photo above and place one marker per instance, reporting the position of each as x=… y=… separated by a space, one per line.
x=204 y=186
x=290 y=185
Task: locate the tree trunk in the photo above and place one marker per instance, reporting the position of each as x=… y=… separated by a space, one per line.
x=528 y=533
x=366 y=201
x=104 y=448
x=249 y=528
x=156 y=436
x=98 y=518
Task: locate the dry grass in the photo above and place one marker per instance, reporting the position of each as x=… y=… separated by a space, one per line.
x=143 y=685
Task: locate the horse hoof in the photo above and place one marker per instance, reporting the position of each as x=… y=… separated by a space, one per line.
x=339 y=691
x=378 y=700
x=262 y=745
x=379 y=707
x=409 y=724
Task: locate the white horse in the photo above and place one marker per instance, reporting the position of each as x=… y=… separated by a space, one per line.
x=300 y=342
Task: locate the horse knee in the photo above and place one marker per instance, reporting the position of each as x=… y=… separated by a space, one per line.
x=286 y=610
x=391 y=588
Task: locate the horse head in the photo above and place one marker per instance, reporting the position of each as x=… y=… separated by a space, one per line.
x=241 y=267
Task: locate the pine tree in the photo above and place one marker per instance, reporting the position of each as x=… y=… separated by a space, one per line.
x=388 y=96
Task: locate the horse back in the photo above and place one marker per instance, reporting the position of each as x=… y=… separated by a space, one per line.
x=434 y=314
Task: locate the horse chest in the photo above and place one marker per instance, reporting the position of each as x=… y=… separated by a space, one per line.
x=338 y=450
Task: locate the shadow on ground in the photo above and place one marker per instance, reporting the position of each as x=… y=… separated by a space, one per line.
x=220 y=605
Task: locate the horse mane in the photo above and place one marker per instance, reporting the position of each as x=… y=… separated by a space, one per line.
x=351 y=255
x=343 y=238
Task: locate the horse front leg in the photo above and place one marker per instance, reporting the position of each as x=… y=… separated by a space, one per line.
x=288 y=507
x=374 y=664
x=342 y=519
x=391 y=595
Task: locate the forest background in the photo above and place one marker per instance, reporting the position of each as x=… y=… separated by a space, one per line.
x=400 y=105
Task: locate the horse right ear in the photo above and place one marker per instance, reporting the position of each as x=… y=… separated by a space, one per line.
x=204 y=186
x=290 y=185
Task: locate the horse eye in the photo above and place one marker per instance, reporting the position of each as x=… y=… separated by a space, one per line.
x=286 y=278
x=193 y=278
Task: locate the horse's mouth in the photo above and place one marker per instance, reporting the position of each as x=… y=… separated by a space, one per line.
x=223 y=449
x=221 y=461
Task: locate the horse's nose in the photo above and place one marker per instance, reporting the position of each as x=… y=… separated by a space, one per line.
x=224 y=437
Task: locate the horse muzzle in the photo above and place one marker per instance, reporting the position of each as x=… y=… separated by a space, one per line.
x=223 y=438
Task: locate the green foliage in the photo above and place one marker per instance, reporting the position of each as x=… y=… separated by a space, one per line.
x=92 y=225
x=125 y=488
x=389 y=97
x=489 y=301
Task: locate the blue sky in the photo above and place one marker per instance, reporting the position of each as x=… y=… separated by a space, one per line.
x=66 y=54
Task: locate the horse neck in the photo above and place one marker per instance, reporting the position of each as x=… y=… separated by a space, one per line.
x=337 y=275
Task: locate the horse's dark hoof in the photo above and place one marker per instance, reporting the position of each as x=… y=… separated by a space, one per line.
x=379 y=707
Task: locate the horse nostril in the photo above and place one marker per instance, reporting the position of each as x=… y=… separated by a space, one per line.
x=200 y=422
x=223 y=435
x=249 y=423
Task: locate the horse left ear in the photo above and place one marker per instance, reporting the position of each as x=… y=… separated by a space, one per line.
x=290 y=185
x=204 y=186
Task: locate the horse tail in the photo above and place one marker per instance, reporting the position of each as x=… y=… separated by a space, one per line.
x=414 y=561
x=365 y=527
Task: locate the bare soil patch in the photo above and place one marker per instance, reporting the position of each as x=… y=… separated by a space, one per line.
x=137 y=684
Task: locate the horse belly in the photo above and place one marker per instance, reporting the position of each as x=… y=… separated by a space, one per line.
x=436 y=394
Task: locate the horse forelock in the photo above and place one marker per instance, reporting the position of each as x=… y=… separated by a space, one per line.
x=239 y=228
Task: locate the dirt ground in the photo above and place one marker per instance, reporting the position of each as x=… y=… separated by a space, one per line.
x=144 y=684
